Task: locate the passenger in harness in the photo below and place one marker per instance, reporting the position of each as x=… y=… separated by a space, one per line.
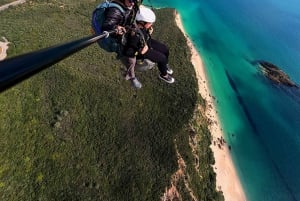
x=119 y=15
x=140 y=44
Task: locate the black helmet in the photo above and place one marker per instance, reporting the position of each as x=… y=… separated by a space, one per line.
x=138 y=2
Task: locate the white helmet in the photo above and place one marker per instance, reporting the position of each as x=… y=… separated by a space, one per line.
x=145 y=14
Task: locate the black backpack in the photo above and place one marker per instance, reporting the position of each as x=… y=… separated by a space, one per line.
x=109 y=44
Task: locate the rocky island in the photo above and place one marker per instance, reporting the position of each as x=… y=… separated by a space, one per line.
x=275 y=74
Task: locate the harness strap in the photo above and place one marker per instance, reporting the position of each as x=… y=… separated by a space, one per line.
x=140 y=32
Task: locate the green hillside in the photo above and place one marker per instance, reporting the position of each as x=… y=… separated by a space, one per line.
x=79 y=131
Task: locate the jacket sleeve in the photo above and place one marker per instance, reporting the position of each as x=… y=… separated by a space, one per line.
x=113 y=18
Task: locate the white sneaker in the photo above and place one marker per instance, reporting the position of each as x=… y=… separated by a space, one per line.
x=167 y=78
x=169 y=70
x=136 y=83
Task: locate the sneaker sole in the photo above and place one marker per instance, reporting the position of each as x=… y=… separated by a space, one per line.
x=170 y=82
x=170 y=72
x=137 y=86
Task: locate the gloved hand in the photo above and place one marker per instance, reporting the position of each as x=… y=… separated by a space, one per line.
x=120 y=30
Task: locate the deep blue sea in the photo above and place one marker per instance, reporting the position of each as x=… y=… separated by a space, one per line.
x=261 y=120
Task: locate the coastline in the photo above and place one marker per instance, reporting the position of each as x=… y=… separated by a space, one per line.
x=226 y=176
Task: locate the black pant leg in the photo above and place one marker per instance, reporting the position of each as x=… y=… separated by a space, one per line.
x=159 y=46
x=158 y=58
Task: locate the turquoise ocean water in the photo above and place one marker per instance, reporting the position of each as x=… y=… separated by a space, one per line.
x=261 y=121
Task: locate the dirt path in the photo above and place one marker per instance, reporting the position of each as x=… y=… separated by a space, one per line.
x=11 y=4
x=4 y=45
x=3 y=48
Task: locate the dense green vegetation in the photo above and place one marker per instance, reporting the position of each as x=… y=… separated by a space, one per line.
x=79 y=131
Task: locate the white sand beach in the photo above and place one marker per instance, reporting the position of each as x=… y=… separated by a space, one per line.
x=227 y=178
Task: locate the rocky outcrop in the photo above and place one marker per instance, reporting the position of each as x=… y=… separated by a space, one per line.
x=171 y=193
x=275 y=74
